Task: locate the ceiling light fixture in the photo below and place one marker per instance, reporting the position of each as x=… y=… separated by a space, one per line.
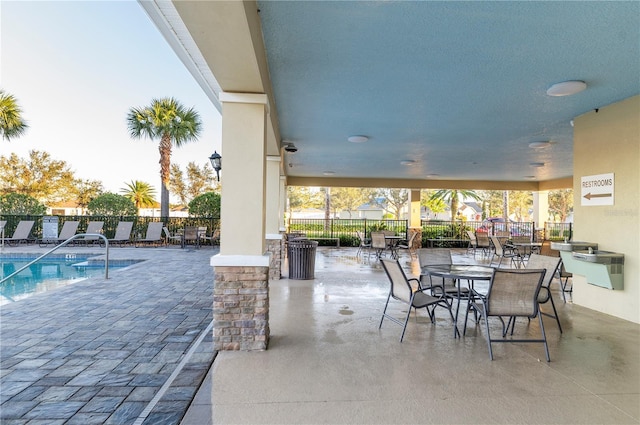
x=431 y=176
x=328 y=173
x=537 y=164
x=566 y=88
x=530 y=177
x=539 y=145
x=357 y=139
x=407 y=162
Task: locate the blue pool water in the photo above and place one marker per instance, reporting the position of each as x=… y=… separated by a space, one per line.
x=51 y=272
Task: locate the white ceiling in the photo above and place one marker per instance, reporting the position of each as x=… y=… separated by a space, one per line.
x=457 y=87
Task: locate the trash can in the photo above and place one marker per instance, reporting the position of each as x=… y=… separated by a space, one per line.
x=302 y=259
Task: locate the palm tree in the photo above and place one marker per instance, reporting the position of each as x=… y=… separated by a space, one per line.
x=452 y=197
x=11 y=122
x=140 y=193
x=165 y=119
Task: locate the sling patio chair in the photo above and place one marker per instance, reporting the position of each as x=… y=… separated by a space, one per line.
x=364 y=243
x=408 y=245
x=153 y=235
x=378 y=243
x=503 y=252
x=69 y=229
x=21 y=234
x=512 y=293
x=123 y=233
x=94 y=228
x=401 y=290
x=169 y=238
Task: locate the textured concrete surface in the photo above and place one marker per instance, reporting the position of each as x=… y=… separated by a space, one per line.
x=327 y=362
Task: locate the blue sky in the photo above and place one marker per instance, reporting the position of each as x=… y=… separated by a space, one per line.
x=76 y=68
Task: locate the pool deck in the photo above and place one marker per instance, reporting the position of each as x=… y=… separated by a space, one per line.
x=132 y=349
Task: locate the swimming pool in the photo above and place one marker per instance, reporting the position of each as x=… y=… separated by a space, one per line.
x=51 y=272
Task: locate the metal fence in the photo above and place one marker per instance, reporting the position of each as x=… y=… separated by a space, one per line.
x=110 y=223
x=344 y=229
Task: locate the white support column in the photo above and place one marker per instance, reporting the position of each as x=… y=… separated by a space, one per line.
x=244 y=129
x=414 y=208
x=273 y=217
x=242 y=269
x=541 y=207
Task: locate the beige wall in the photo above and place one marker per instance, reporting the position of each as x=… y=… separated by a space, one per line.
x=608 y=141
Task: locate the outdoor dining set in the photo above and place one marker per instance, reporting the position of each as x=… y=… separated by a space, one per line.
x=478 y=290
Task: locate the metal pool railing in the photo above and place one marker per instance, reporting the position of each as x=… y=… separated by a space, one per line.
x=71 y=239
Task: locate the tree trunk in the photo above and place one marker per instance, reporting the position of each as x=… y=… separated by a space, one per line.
x=165 y=166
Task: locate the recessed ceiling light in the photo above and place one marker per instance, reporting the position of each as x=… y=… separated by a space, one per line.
x=530 y=177
x=407 y=162
x=358 y=139
x=539 y=145
x=431 y=176
x=328 y=173
x=537 y=164
x=566 y=88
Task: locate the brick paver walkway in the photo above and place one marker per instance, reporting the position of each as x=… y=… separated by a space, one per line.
x=110 y=351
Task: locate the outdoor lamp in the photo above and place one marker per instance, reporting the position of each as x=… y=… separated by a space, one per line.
x=216 y=163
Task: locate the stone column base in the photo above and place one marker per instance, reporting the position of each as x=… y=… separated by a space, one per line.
x=240 y=307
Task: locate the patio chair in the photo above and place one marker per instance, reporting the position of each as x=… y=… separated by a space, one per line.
x=473 y=243
x=501 y=252
x=564 y=276
x=153 y=235
x=190 y=234
x=169 y=238
x=512 y=293
x=378 y=243
x=364 y=243
x=123 y=233
x=202 y=234
x=408 y=245
x=21 y=234
x=94 y=227
x=550 y=264
x=401 y=290
x=69 y=229
x=435 y=256
x=483 y=243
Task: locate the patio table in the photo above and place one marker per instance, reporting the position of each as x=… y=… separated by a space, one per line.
x=525 y=249
x=392 y=244
x=458 y=272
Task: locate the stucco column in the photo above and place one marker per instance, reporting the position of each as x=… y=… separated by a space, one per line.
x=414 y=218
x=241 y=270
x=541 y=209
x=274 y=218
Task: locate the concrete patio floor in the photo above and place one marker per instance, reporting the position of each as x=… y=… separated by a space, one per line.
x=328 y=363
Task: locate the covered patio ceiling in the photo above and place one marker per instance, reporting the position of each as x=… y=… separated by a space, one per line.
x=448 y=94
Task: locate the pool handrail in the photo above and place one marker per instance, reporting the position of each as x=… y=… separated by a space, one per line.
x=106 y=263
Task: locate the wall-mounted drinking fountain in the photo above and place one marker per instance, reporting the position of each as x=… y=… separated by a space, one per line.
x=601 y=268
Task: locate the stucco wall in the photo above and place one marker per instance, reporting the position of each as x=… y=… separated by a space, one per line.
x=608 y=141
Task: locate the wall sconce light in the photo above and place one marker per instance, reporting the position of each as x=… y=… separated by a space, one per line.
x=216 y=163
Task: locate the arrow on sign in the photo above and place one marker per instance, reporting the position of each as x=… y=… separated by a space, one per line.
x=597 y=195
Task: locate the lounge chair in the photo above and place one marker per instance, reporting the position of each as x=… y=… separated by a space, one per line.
x=94 y=227
x=123 y=233
x=153 y=236
x=69 y=228
x=21 y=234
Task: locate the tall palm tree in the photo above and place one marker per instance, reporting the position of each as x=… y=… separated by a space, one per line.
x=140 y=193
x=170 y=122
x=11 y=123
x=452 y=197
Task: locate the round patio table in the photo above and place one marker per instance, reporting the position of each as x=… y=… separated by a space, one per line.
x=458 y=272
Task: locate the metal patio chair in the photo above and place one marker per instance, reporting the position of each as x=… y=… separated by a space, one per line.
x=512 y=293
x=401 y=290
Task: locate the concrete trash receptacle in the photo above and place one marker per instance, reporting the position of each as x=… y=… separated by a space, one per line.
x=302 y=259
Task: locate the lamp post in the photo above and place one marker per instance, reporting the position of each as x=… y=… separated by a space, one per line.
x=216 y=163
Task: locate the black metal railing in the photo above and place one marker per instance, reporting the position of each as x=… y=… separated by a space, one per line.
x=344 y=229
x=110 y=223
